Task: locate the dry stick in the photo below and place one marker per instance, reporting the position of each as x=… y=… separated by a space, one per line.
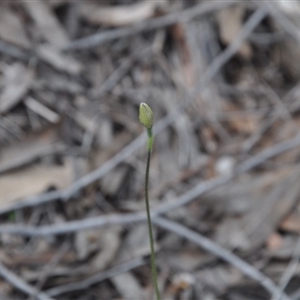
x=88 y=179
x=28 y=158
x=86 y=283
x=51 y=265
x=156 y=23
x=224 y=254
x=14 y=51
x=120 y=72
x=290 y=270
x=253 y=140
x=130 y=218
x=284 y=22
x=21 y=285
x=280 y=105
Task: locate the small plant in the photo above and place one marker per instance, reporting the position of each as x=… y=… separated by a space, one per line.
x=147 y=119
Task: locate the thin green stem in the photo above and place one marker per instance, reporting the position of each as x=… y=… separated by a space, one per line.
x=150 y=139
x=153 y=260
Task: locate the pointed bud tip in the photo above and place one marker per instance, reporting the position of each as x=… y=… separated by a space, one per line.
x=146 y=115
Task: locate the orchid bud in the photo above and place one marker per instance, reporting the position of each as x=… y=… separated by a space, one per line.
x=146 y=115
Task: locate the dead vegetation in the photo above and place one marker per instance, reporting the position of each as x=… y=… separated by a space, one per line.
x=223 y=81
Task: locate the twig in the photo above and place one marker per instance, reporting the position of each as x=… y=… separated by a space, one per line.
x=222 y=253
x=88 y=179
x=250 y=142
x=290 y=270
x=182 y=16
x=268 y=153
x=269 y=118
x=21 y=285
x=186 y=198
x=28 y=158
x=120 y=72
x=14 y=51
x=51 y=265
x=86 y=283
x=285 y=22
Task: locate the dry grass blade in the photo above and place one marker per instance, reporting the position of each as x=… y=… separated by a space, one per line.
x=22 y=285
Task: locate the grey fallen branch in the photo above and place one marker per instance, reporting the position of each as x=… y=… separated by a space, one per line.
x=21 y=285
x=14 y=51
x=182 y=16
x=289 y=27
x=222 y=253
x=86 y=283
x=120 y=72
x=81 y=183
x=28 y=158
x=185 y=199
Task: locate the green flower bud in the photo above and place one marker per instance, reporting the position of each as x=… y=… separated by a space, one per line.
x=146 y=115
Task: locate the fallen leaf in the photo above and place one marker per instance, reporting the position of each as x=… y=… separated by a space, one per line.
x=33 y=180
x=118 y=15
x=112 y=182
x=286 y=248
x=230 y=21
x=292 y=222
x=31 y=147
x=109 y=245
x=274 y=241
x=218 y=278
x=47 y=23
x=16 y=82
x=261 y=204
x=182 y=281
x=12 y=29
x=128 y=286
x=136 y=244
x=186 y=63
x=58 y=60
x=273 y=207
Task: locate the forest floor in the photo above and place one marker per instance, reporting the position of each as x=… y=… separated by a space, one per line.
x=222 y=78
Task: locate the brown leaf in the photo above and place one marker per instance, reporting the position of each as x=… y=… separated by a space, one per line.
x=188 y=71
x=230 y=21
x=274 y=241
x=292 y=222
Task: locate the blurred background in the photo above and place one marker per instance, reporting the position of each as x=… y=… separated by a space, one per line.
x=222 y=78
